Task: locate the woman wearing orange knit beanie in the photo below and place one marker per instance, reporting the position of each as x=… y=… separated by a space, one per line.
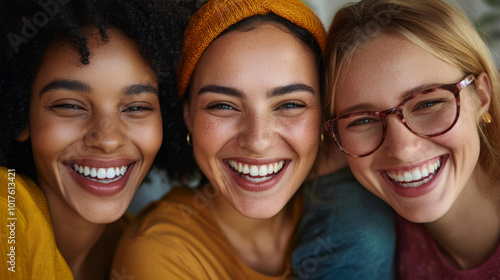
x=250 y=77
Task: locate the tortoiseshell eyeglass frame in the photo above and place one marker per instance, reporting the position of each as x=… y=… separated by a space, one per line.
x=453 y=88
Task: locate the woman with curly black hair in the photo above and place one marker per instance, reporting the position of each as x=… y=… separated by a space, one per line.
x=84 y=86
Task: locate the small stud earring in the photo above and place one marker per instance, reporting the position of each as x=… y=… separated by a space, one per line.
x=487 y=118
x=188 y=139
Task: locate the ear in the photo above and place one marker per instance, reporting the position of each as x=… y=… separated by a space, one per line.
x=187 y=115
x=25 y=134
x=483 y=89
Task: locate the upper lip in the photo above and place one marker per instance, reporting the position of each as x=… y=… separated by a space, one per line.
x=102 y=163
x=257 y=161
x=411 y=166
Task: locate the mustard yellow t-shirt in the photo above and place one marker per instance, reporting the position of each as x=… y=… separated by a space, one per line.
x=27 y=242
x=178 y=238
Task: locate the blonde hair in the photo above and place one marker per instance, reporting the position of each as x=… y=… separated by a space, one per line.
x=436 y=26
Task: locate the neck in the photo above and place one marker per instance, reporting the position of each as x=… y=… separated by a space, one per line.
x=260 y=243
x=75 y=236
x=469 y=233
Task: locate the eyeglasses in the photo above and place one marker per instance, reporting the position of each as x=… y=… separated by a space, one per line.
x=429 y=113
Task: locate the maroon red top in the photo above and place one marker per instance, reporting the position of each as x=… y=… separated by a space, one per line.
x=418 y=258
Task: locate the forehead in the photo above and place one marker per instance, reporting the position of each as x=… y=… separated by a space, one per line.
x=383 y=70
x=254 y=54
x=62 y=61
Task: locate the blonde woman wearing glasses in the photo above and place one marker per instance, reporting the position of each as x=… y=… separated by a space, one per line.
x=414 y=97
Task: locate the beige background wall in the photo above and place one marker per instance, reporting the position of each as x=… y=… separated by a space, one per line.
x=477 y=10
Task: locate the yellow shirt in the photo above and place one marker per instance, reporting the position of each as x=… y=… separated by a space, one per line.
x=27 y=242
x=179 y=239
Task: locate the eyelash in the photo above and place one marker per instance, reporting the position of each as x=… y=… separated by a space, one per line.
x=67 y=106
x=220 y=106
x=137 y=108
x=291 y=105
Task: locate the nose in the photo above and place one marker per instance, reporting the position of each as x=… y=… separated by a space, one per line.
x=399 y=141
x=256 y=133
x=105 y=133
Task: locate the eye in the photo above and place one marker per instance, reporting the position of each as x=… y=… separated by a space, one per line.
x=220 y=106
x=427 y=104
x=137 y=109
x=361 y=121
x=291 y=105
x=67 y=107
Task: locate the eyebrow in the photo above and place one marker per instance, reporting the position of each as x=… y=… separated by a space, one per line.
x=274 y=92
x=221 y=90
x=70 y=85
x=290 y=89
x=139 y=89
x=406 y=94
x=79 y=86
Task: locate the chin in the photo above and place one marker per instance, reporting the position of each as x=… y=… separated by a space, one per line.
x=104 y=216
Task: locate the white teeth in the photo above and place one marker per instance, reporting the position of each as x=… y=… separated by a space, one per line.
x=262 y=170
x=431 y=168
x=110 y=173
x=246 y=170
x=100 y=173
x=270 y=168
x=417 y=176
x=407 y=176
x=257 y=170
x=254 y=170
x=425 y=173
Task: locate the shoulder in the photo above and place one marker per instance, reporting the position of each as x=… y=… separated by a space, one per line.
x=30 y=237
x=175 y=237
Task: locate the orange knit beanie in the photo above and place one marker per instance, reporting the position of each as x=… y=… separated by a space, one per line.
x=217 y=15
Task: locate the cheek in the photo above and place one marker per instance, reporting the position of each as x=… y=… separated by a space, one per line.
x=301 y=133
x=361 y=168
x=148 y=137
x=50 y=138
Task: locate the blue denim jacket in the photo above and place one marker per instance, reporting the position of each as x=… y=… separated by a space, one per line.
x=345 y=233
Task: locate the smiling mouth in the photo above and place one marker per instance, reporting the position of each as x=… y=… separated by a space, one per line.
x=256 y=173
x=101 y=175
x=416 y=177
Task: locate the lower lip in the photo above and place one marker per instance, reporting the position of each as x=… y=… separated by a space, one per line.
x=256 y=187
x=101 y=189
x=421 y=190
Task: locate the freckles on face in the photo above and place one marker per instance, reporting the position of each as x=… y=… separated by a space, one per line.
x=254 y=115
x=381 y=74
x=95 y=129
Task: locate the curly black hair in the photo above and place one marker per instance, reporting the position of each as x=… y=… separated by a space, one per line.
x=28 y=27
